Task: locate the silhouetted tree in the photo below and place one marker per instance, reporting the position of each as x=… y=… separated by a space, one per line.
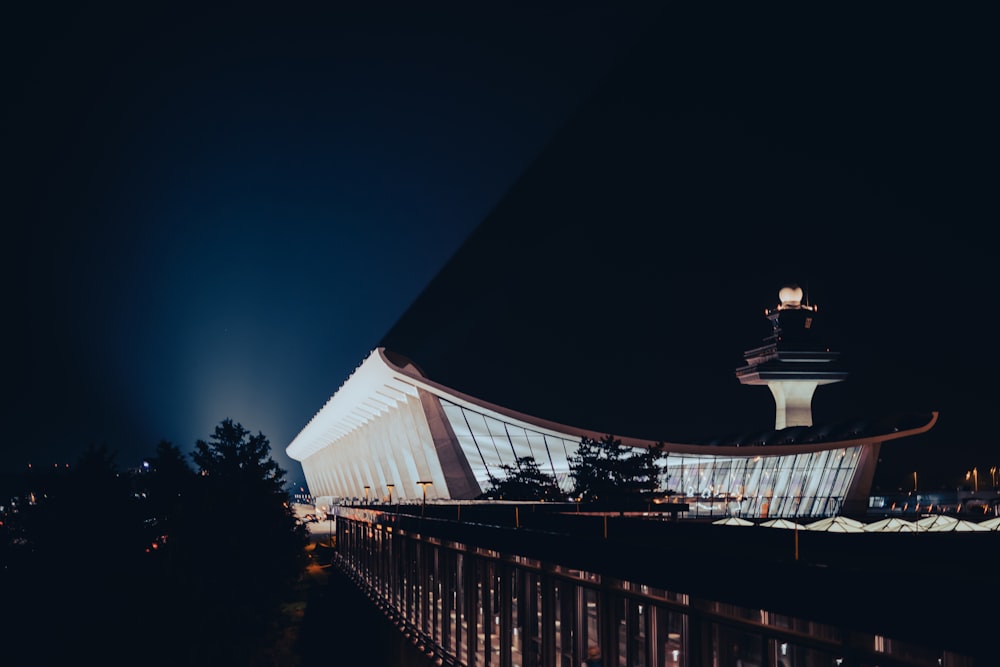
x=233 y=553
x=86 y=514
x=609 y=472
x=166 y=479
x=642 y=472
x=524 y=481
x=163 y=565
x=170 y=467
x=83 y=528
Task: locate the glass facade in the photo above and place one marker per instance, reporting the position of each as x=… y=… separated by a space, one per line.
x=811 y=484
x=489 y=443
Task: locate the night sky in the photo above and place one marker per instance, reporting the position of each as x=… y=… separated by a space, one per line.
x=618 y=283
x=216 y=213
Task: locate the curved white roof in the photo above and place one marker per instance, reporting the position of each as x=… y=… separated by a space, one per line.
x=391 y=432
x=378 y=385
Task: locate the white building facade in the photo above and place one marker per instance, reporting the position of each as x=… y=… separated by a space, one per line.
x=389 y=433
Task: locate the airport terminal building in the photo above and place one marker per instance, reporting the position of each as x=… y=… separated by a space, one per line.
x=390 y=433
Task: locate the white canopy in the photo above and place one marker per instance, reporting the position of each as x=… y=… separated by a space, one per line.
x=992 y=524
x=733 y=521
x=960 y=525
x=937 y=522
x=782 y=523
x=892 y=525
x=837 y=524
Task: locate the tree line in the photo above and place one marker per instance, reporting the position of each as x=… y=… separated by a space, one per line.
x=189 y=558
x=186 y=560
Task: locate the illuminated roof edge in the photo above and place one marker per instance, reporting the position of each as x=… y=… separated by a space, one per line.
x=379 y=371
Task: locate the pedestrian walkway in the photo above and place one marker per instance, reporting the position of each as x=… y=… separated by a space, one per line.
x=341 y=626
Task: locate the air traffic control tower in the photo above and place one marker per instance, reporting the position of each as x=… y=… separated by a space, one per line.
x=791 y=362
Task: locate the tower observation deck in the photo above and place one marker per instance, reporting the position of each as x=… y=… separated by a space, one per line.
x=792 y=362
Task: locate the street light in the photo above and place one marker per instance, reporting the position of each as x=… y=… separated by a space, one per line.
x=974 y=476
x=423 y=486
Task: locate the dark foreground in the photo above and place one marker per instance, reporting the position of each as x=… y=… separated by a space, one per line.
x=341 y=626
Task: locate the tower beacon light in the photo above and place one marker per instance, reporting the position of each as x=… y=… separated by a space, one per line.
x=793 y=361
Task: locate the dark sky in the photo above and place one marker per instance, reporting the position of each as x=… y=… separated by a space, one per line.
x=218 y=212
x=618 y=283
